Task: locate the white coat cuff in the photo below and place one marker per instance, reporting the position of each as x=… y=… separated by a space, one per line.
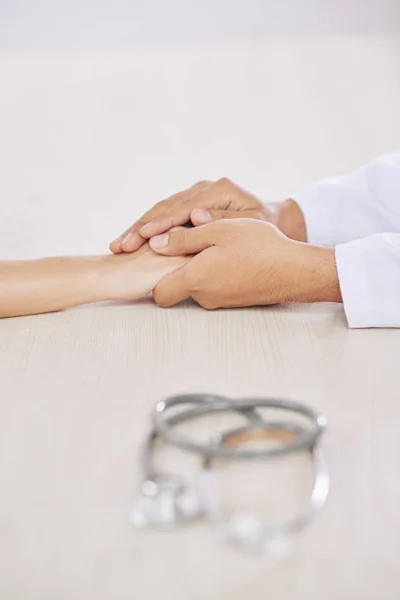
x=369 y=278
x=353 y=281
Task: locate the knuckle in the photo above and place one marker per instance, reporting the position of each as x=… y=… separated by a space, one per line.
x=155 y=209
x=201 y=184
x=159 y=208
x=159 y=204
x=215 y=214
x=139 y=224
x=177 y=239
x=224 y=182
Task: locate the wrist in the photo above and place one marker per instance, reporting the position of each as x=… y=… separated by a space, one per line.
x=100 y=274
x=317 y=276
x=290 y=220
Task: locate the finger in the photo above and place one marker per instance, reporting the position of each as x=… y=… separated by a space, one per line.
x=115 y=245
x=173 y=288
x=202 y=216
x=158 y=226
x=128 y=242
x=179 y=213
x=131 y=239
x=185 y=241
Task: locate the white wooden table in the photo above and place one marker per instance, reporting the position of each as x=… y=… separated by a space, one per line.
x=86 y=143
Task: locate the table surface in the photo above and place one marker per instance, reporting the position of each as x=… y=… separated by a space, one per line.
x=87 y=142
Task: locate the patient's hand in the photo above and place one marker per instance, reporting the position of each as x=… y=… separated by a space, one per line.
x=134 y=276
x=30 y=287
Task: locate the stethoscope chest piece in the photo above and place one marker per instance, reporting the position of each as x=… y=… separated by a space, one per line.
x=166 y=501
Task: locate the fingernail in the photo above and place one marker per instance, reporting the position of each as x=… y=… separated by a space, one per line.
x=159 y=241
x=201 y=216
x=117 y=240
x=128 y=238
x=147 y=226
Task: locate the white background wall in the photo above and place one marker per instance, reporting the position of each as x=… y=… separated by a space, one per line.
x=123 y=23
x=107 y=107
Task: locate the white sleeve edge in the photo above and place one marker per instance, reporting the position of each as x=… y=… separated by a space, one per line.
x=354 y=287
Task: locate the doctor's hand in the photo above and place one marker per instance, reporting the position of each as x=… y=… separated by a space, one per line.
x=244 y=262
x=204 y=203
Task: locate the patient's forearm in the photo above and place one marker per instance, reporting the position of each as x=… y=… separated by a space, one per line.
x=48 y=284
x=52 y=284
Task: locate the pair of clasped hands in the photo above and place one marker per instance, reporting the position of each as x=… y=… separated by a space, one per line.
x=240 y=251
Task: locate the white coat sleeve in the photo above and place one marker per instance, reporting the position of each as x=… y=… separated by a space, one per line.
x=340 y=211
x=369 y=278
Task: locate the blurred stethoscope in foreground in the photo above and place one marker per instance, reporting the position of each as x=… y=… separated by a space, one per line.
x=167 y=501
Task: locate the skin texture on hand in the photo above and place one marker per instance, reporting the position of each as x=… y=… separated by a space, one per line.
x=134 y=276
x=245 y=262
x=52 y=284
x=206 y=202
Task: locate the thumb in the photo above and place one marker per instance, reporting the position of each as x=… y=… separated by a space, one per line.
x=172 y=288
x=185 y=241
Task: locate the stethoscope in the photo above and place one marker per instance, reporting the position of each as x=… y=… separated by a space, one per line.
x=166 y=500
